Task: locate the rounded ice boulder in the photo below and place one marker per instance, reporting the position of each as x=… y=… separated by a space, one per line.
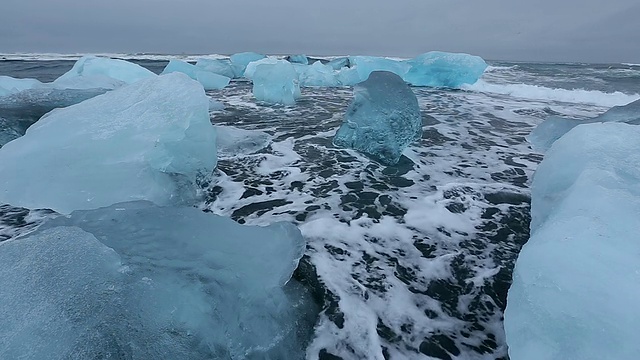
x=383 y=119
x=145 y=141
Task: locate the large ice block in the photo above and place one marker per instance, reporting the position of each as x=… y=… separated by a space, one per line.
x=383 y=119
x=219 y=66
x=145 y=141
x=138 y=281
x=241 y=60
x=97 y=72
x=339 y=63
x=276 y=83
x=365 y=65
x=250 y=70
x=208 y=79
x=180 y=66
x=553 y=128
x=576 y=282
x=298 y=59
x=442 y=69
x=319 y=75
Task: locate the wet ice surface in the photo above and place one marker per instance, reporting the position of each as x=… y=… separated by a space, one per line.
x=408 y=259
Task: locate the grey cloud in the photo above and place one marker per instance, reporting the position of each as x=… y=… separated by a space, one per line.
x=588 y=30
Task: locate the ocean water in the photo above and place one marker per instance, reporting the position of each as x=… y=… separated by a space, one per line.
x=411 y=261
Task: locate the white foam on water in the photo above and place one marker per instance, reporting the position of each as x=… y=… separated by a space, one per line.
x=536 y=92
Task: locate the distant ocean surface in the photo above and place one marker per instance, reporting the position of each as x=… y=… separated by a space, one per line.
x=411 y=261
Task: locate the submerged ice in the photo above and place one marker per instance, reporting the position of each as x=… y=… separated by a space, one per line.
x=575 y=284
x=138 y=281
x=233 y=141
x=383 y=119
x=146 y=141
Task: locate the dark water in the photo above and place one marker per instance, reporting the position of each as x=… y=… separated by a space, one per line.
x=410 y=261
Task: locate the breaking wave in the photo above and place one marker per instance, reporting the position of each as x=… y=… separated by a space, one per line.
x=535 y=92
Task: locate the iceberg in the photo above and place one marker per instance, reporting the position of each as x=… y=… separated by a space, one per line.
x=89 y=77
x=212 y=81
x=276 y=83
x=233 y=141
x=553 y=128
x=250 y=70
x=145 y=141
x=241 y=60
x=442 y=69
x=349 y=76
x=96 y=72
x=319 y=75
x=180 y=66
x=9 y=85
x=383 y=119
x=138 y=281
x=575 y=285
x=208 y=79
x=365 y=65
x=339 y=63
x=219 y=66
x=298 y=59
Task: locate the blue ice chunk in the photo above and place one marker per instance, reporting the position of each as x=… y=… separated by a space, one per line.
x=91 y=72
x=241 y=60
x=575 y=285
x=339 y=63
x=160 y=283
x=553 y=128
x=383 y=119
x=298 y=59
x=365 y=65
x=212 y=81
x=184 y=67
x=276 y=83
x=349 y=76
x=9 y=85
x=208 y=79
x=145 y=141
x=442 y=69
x=318 y=74
x=252 y=66
x=219 y=66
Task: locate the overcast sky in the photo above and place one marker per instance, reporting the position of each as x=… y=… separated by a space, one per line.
x=541 y=30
